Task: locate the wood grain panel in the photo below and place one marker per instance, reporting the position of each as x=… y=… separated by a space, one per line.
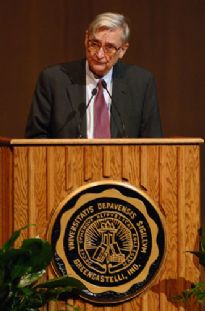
x=152 y=299
x=181 y=211
x=133 y=164
x=168 y=200
x=50 y=155
x=149 y=181
x=37 y=210
x=97 y=162
x=59 y=175
x=192 y=211
x=187 y=184
x=74 y=168
x=87 y=163
x=181 y=220
x=125 y=163
x=168 y=186
x=143 y=167
x=132 y=305
x=116 y=162
x=150 y=177
x=69 y=164
x=44 y=175
x=21 y=189
x=56 y=191
x=89 y=307
x=32 y=209
x=114 y=308
x=153 y=172
x=6 y=191
x=106 y=161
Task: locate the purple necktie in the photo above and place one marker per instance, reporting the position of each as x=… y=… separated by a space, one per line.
x=101 y=115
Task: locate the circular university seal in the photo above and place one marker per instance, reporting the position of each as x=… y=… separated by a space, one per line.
x=110 y=236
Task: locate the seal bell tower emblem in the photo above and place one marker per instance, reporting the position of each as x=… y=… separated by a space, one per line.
x=108 y=252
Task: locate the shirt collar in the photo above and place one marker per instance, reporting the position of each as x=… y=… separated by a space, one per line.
x=93 y=80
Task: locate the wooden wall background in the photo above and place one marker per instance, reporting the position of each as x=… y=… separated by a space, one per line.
x=167 y=38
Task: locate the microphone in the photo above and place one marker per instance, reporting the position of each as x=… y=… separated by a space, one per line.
x=104 y=84
x=93 y=93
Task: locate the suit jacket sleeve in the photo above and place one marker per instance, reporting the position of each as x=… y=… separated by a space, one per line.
x=150 y=122
x=38 y=123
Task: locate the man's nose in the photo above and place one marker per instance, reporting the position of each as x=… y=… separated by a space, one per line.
x=100 y=52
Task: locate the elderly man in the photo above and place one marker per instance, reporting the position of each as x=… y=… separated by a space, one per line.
x=96 y=97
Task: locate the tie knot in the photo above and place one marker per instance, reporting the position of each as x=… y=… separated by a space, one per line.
x=100 y=85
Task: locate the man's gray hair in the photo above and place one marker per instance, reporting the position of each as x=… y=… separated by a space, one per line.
x=110 y=21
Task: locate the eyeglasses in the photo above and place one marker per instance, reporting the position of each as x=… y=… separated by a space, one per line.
x=108 y=49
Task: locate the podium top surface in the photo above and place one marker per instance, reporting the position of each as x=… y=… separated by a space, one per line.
x=113 y=141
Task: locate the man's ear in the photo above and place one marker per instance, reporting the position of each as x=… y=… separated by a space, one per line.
x=123 y=49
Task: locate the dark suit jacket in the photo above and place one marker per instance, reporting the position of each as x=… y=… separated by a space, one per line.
x=58 y=108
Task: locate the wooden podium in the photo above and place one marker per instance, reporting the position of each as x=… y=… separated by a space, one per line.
x=36 y=175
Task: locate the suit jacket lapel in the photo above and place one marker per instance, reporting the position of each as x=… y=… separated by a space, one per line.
x=119 y=94
x=76 y=91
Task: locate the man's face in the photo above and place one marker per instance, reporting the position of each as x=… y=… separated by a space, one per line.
x=103 y=49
